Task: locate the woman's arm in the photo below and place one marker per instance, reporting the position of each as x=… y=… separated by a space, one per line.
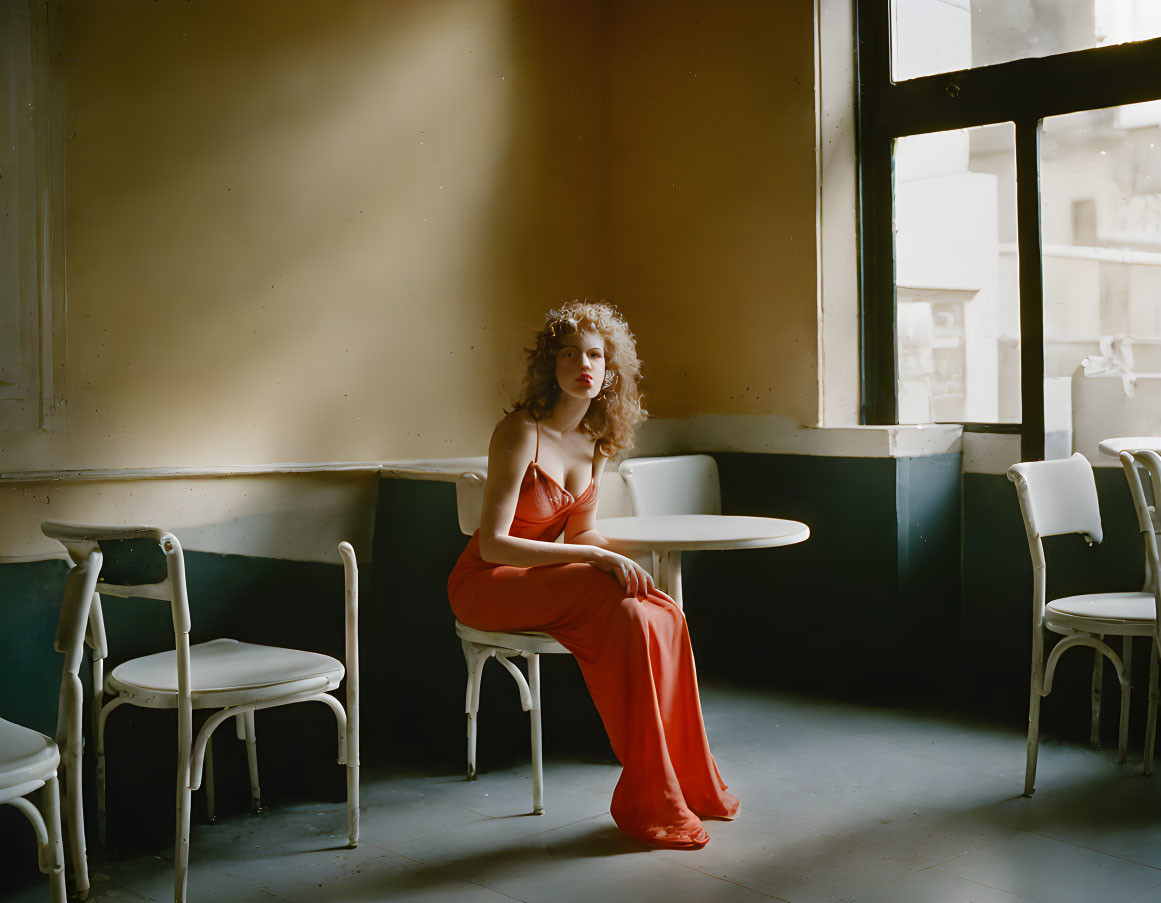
x=509 y=455
x=581 y=528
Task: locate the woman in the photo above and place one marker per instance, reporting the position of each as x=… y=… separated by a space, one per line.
x=579 y=407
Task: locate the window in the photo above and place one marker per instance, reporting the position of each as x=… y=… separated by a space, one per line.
x=31 y=206
x=1009 y=158
x=957 y=299
x=933 y=36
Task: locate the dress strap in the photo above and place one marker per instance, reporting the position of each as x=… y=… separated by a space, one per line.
x=536 y=457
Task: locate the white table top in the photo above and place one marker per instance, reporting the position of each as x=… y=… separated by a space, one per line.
x=680 y=532
x=1114 y=447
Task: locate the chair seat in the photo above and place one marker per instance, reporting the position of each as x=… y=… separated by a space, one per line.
x=223 y=673
x=25 y=755
x=1117 y=613
x=519 y=641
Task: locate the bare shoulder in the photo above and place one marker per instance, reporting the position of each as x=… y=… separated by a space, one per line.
x=513 y=440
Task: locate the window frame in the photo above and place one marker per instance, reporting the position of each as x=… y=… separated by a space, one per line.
x=34 y=199
x=1022 y=92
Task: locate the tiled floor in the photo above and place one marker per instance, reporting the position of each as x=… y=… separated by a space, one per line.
x=840 y=803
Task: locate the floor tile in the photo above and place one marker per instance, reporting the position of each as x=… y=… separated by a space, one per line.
x=933 y=886
x=1042 y=869
x=508 y=794
x=797 y=866
x=592 y=860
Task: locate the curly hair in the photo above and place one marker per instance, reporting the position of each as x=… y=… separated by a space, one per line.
x=615 y=413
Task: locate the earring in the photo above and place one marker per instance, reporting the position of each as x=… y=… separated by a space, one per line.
x=610 y=378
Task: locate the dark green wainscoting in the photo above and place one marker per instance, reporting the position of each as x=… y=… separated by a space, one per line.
x=864 y=608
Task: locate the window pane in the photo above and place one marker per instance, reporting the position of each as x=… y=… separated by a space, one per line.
x=930 y=36
x=1101 y=232
x=956 y=282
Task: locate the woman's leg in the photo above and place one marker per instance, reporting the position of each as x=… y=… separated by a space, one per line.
x=617 y=659
x=637 y=664
x=675 y=679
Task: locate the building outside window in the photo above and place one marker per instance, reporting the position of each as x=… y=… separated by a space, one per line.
x=1010 y=195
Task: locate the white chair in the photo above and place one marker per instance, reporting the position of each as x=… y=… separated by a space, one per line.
x=236 y=678
x=71 y=635
x=1056 y=498
x=676 y=484
x=30 y=761
x=1133 y=462
x=28 y=766
x=481 y=645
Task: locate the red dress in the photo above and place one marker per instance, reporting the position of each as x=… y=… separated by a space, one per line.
x=634 y=654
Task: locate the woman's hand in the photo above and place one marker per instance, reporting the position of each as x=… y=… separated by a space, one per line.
x=634 y=578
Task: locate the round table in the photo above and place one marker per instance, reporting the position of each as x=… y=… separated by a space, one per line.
x=1114 y=447
x=668 y=535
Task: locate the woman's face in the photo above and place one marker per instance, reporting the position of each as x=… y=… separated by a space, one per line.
x=580 y=365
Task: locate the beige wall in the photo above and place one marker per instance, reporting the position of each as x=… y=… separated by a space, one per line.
x=307 y=231
x=712 y=202
x=300 y=518
x=295 y=228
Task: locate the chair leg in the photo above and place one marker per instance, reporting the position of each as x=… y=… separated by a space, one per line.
x=75 y=815
x=473 y=772
x=537 y=736
x=475 y=664
x=1151 y=726
x=181 y=848
x=102 y=723
x=353 y=789
x=211 y=816
x=1098 y=671
x=53 y=863
x=98 y=694
x=102 y=820
x=252 y=760
x=1033 y=726
x=71 y=745
x=1126 y=696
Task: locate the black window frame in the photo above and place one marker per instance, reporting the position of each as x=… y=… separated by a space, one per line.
x=1022 y=92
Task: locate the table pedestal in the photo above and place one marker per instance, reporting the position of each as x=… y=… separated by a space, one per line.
x=667 y=575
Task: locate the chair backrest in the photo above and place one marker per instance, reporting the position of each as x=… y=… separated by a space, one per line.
x=119 y=561
x=1133 y=462
x=469 y=501
x=613 y=499
x=145 y=562
x=678 y=484
x=1058 y=497
x=140 y=561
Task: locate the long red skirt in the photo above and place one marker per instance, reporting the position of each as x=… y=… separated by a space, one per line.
x=636 y=659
